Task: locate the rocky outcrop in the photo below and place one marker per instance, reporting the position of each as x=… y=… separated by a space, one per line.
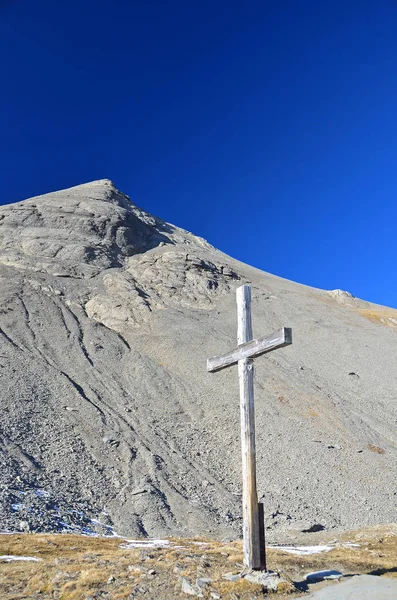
x=109 y=418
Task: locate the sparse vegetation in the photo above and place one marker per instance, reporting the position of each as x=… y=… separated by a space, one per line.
x=386 y=316
x=75 y=567
x=376 y=449
x=313 y=413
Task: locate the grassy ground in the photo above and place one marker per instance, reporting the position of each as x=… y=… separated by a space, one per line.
x=384 y=315
x=83 y=568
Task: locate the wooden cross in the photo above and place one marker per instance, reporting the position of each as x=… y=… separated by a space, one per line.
x=247 y=349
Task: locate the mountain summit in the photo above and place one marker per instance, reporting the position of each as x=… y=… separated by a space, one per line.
x=110 y=420
x=81 y=230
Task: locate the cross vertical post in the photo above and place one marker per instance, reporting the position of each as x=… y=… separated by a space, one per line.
x=248 y=349
x=251 y=531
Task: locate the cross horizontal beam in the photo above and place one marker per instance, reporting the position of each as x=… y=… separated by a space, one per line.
x=279 y=339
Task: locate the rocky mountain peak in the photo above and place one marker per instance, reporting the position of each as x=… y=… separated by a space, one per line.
x=107 y=317
x=100 y=190
x=78 y=231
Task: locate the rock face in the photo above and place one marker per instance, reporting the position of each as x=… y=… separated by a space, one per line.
x=109 y=418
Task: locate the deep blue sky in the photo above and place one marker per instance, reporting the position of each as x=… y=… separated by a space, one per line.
x=267 y=127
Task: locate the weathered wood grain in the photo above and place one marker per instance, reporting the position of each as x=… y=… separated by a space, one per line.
x=254 y=550
x=251 y=349
x=251 y=538
x=244 y=321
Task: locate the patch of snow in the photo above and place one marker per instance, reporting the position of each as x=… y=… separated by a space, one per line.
x=303 y=550
x=88 y=531
x=17 y=506
x=145 y=543
x=96 y=522
x=200 y=543
x=9 y=558
x=66 y=525
x=67 y=528
x=351 y=545
x=306 y=550
x=321 y=575
x=42 y=493
x=111 y=531
x=72 y=511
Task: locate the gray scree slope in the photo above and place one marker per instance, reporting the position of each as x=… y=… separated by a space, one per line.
x=107 y=317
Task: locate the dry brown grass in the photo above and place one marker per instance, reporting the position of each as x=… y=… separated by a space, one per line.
x=376 y=449
x=72 y=566
x=76 y=568
x=385 y=316
x=376 y=554
x=313 y=412
x=239 y=589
